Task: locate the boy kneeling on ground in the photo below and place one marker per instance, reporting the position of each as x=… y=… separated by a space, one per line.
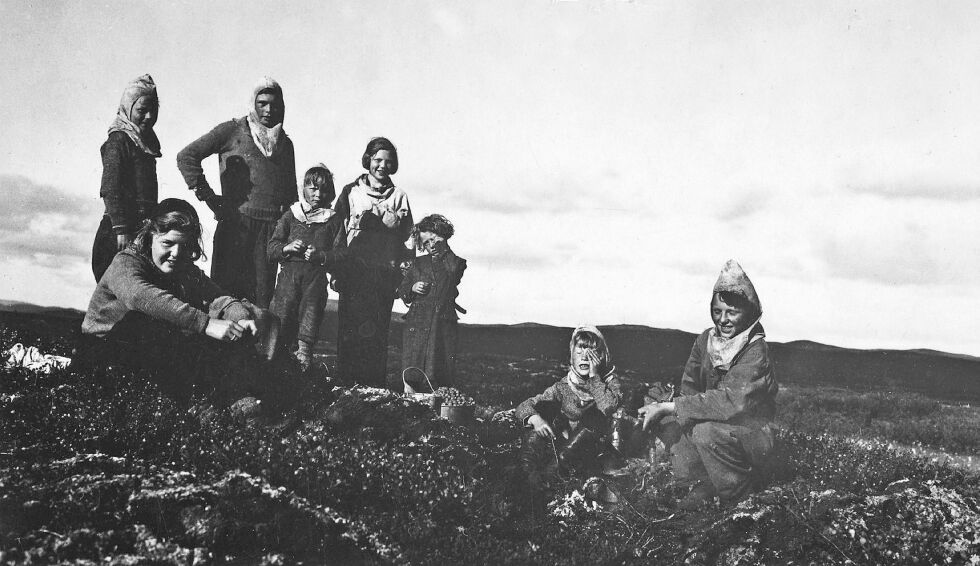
x=718 y=428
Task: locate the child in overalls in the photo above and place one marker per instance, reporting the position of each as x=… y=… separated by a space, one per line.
x=304 y=244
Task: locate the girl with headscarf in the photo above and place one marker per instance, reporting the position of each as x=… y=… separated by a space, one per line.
x=566 y=424
x=718 y=428
x=258 y=183
x=129 y=171
x=308 y=241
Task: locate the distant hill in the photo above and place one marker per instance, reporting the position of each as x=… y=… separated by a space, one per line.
x=29 y=308
x=659 y=354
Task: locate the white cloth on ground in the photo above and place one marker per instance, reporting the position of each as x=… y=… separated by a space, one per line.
x=31 y=358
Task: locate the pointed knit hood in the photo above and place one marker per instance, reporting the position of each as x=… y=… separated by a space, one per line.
x=722 y=351
x=145 y=139
x=733 y=279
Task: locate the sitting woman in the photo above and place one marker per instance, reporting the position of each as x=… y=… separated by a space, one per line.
x=155 y=310
x=718 y=427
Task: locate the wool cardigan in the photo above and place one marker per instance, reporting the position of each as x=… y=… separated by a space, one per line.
x=129 y=183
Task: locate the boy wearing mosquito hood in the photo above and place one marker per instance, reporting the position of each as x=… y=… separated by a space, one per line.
x=718 y=427
x=570 y=419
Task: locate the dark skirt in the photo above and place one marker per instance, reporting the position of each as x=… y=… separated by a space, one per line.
x=367 y=294
x=180 y=365
x=240 y=264
x=104 y=248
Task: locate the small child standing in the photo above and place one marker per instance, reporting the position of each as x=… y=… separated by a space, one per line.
x=573 y=414
x=430 y=290
x=307 y=244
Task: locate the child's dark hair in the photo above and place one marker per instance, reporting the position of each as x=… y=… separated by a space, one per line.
x=171 y=214
x=737 y=300
x=376 y=145
x=318 y=176
x=435 y=223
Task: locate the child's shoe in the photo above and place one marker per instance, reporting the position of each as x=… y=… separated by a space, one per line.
x=701 y=496
x=303 y=355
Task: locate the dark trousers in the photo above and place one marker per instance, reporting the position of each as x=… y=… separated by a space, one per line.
x=241 y=264
x=723 y=456
x=299 y=300
x=366 y=298
x=104 y=248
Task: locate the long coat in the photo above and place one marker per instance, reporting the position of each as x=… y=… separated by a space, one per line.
x=430 y=334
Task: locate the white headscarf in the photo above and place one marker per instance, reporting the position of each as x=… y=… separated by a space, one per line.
x=265 y=138
x=145 y=139
x=305 y=213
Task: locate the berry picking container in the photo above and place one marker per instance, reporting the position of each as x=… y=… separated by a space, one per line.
x=458 y=414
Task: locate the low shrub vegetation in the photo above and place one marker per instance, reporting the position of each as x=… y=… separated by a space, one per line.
x=98 y=467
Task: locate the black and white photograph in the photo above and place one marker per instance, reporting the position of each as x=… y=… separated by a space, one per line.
x=543 y=282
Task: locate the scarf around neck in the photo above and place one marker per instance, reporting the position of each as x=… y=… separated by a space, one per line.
x=266 y=139
x=146 y=140
x=722 y=351
x=364 y=186
x=301 y=210
x=578 y=386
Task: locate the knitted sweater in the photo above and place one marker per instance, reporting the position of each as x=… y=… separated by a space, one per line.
x=133 y=283
x=259 y=187
x=606 y=397
x=129 y=183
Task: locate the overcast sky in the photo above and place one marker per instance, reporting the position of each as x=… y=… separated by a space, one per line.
x=601 y=160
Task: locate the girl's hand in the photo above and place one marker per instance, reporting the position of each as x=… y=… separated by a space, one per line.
x=294 y=247
x=310 y=250
x=421 y=288
x=654 y=412
x=228 y=330
x=541 y=426
x=123 y=240
x=593 y=359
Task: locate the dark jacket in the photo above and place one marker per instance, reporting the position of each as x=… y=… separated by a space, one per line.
x=376 y=245
x=327 y=238
x=257 y=186
x=133 y=283
x=429 y=337
x=129 y=183
x=744 y=395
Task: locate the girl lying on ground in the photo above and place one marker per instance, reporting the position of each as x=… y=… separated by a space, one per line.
x=155 y=310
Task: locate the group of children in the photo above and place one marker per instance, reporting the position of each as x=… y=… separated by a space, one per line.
x=364 y=245
x=153 y=306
